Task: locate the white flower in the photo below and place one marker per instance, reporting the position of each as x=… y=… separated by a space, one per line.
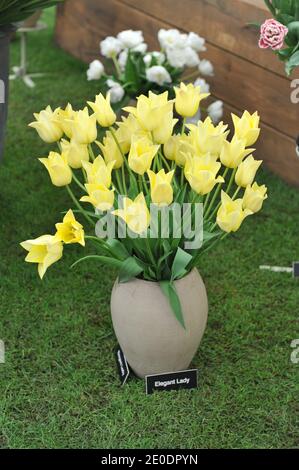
x=176 y=57
x=140 y=48
x=95 y=70
x=196 y=42
x=122 y=59
x=158 y=74
x=147 y=59
x=191 y=57
x=116 y=91
x=215 y=111
x=171 y=38
x=130 y=38
x=204 y=86
x=158 y=56
x=206 y=68
x=110 y=47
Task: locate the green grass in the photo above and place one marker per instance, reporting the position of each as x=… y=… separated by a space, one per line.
x=59 y=387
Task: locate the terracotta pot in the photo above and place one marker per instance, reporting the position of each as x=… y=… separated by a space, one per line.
x=150 y=336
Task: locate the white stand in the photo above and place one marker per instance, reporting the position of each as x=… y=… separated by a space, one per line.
x=20 y=71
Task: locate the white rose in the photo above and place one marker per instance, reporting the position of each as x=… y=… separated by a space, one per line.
x=159 y=56
x=147 y=59
x=116 y=91
x=191 y=57
x=215 y=111
x=122 y=59
x=140 y=48
x=196 y=42
x=158 y=74
x=130 y=38
x=110 y=47
x=171 y=38
x=206 y=68
x=176 y=57
x=95 y=70
x=204 y=86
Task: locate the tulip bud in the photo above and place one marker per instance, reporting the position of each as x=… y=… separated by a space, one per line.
x=47 y=125
x=58 y=169
x=135 y=214
x=254 y=197
x=246 y=171
x=188 y=98
x=161 y=189
x=98 y=172
x=70 y=230
x=104 y=113
x=99 y=196
x=201 y=173
x=141 y=154
x=110 y=151
x=75 y=153
x=247 y=127
x=84 y=127
x=44 y=251
x=232 y=153
x=231 y=214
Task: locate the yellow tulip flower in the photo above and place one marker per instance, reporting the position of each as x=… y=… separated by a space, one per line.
x=135 y=214
x=177 y=147
x=106 y=117
x=247 y=127
x=163 y=132
x=141 y=154
x=110 y=151
x=70 y=230
x=188 y=98
x=99 y=196
x=58 y=168
x=234 y=152
x=84 y=127
x=66 y=117
x=231 y=214
x=208 y=138
x=246 y=171
x=201 y=173
x=254 y=197
x=150 y=110
x=126 y=129
x=75 y=153
x=47 y=125
x=98 y=172
x=161 y=189
x=44 y=251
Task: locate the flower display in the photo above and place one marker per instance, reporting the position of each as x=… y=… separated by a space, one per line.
x=281 y=33
x=131 y=70
x=145 y=167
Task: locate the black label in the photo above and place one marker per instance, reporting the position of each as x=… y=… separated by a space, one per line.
x=171 y=381
x=122 y=365
x=296 y=269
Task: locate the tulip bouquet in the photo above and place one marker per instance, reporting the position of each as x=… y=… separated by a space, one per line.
x=148 y=164
x=282 y=30
x=135 y=71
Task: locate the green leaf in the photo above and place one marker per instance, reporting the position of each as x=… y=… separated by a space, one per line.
x=169 y=290
x=103 y=259
x=130 y=268
x=292 y=63
x=180 y=262
x=117 y=248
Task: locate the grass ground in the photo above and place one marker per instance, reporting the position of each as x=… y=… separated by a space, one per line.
x=59 y=387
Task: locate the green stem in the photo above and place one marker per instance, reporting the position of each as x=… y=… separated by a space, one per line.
x=151 y=256
x=215 y=194
x=78 y=182
x=117 y=67
x=232 y=178
x=183 y=126
x=78 y=205
x=91 y=152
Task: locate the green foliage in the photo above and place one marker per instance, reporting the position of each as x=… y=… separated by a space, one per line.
x=13 y=11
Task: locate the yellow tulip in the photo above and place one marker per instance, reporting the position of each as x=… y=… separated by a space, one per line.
x=208 y=138
x=231 y=214
x=44 y=251
x=135 y=214
x=246 y=171
x=161 y=189
x=177 y=147
x=151 y=109
x=201 y=173
x=47 y=125
x=70 y=230
x=163 y=132
x=110 y=151
x=126 y=128
x=99 y=196
x=254 y=197
x=188 y=98
x=234 y=152
x=141 y=155
x=75 y=153
x=66 y=117
x=84 y=127
x=98 y=172
x=101 y=107
x=247 y=127
x=58 y=168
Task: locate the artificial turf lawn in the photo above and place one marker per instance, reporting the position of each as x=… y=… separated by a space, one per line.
x=59 y=387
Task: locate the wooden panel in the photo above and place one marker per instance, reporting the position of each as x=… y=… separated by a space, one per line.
x=223 y=23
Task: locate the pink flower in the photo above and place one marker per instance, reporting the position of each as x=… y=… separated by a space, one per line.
x=272 y=34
